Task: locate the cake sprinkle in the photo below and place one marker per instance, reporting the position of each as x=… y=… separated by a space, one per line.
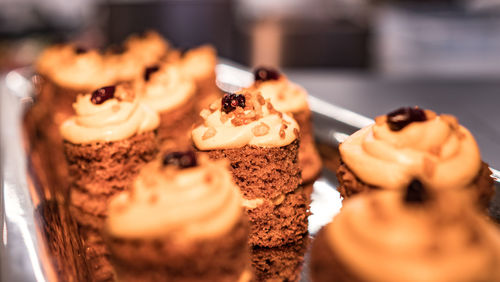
x=231 y=101
x=103 y=94
x=265 y=74
x=415 y=193
x=402 y=117
x=180 y=159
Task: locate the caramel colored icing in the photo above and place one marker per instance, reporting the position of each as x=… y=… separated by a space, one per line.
x=148 y=48
x=383 y=238
x=199 y=63
x=166 y=89
x=439 y=152
x=63 y=65
x=258 y=124
x=184 y=204
x=285 y=95
x=116 y=119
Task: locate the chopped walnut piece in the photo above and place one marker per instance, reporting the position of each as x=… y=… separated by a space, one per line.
x=260 y=99
x=126 y=94
x=261 y=129
x=205 y=113
x=282 y=131
x=209 y=133
x=451 y=120
x=115 y=108
x=214 y=106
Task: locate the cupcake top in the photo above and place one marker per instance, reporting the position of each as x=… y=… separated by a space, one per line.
x=164 y=87
x=149 y=48
x=388 y=236
x=74 y=67
x=413 y=143
x=285 y=95
x=244 y=119
x=182 y=196
x=199 y=63
x=108 y=114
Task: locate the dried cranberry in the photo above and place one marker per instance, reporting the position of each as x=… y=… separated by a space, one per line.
x=231 y=101
x=149 y=71
x=80 y=50
x=101 y=95
x=180 y=159
x=400 y=118
x=265 y=74
x=415 y=193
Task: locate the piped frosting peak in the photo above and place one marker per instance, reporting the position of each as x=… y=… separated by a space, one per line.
x=435 y=149
x=241 y=119
x=108 y=114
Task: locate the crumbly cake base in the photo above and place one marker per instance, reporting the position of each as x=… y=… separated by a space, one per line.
x=350 y=184
x=279 y=223
x=223 y=258
x=98 y=171
x=263 y=172
x=325 y=265
x=283 y=263
x=309 y=159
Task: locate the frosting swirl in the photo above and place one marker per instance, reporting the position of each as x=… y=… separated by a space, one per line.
x=285 y=95
x=77 y=70
x=439 y=152
x=115 y=119
x=257 y=124
x=166 y=88
x=199 y=63
x=149 y=48
x=385 y=239
x=192 y=203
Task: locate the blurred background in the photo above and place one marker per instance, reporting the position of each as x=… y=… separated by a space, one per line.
x=364 y=55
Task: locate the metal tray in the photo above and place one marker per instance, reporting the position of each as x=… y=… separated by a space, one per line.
x=29 y=214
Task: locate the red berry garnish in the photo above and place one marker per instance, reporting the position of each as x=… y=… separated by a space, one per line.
x=265 y=74
x=101 y=95
x=149 y=71
x=415 y=193
x=180 y=159
x=80 y=50
x=231 y=101
x=400 y=118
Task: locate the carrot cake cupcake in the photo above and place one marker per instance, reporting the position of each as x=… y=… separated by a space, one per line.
x=412 y=235
x=289 y=97
x=199 y=64
x=165 y=89
x=261 y=144
x=106 y=143
x=413 y=143
x=182 y=220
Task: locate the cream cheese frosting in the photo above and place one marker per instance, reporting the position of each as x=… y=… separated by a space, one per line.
x=148 y=48
x=166 y=88
x=199 y=63
x=383 y=238
x=184 y=204
x=258 y=124
x=285 y=95
x=439 y=152
x=83 y=71
x=116 y=119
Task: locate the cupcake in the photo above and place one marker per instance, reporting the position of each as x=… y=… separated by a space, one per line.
x=106 y=143
x=411 y=236
x=149 y=47
x=165 y=89
x=413 y=143
x=199 y=64
x=261 y=144
x=182 y=220
x=289 y=97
